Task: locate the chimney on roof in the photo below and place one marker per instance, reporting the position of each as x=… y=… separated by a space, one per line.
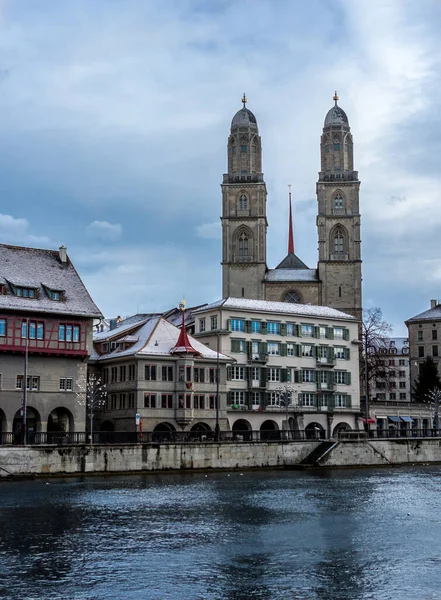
x=113 y=323
x=63 y=254
x=433 y=303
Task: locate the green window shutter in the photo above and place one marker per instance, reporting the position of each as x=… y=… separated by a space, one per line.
x=228 y=372
x=235 y=345
x=297 y=376
x=282 y=349
x=330 y=378
x=316 y=332
x=346 y=334
x=346 y=353
x=263 y=327
x=314 y=351
x=330 y=333
x=349 y=401
x=283 y=375
x=299 y=330
x=229 y=397
x=348 y=378
x=264 y=348
x=289 y=375
x=249 y=348
x=229 y=324
x=263 y=375
x=331 y=401
x=315 y=376
x=331 y=353
x=298 y=349
x=247 y=326
x=282 y=328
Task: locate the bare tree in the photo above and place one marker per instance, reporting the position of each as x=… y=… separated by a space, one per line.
x=92 y=394
x=375 y=347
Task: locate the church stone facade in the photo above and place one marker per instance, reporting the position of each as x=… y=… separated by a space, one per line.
x=336 y=282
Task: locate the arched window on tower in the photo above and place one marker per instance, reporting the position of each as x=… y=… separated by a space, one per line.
x=338 y=201
x=243 y=245
x=243 y=202
x=339 y=241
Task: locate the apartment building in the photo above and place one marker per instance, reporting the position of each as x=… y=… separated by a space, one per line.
x=295 y=366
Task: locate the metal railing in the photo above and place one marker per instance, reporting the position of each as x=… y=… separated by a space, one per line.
x=158 y=437
x=389 y=434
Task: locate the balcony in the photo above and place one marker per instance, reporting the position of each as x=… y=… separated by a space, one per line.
x=326 y=361
x=184 y=416
x=258 y=357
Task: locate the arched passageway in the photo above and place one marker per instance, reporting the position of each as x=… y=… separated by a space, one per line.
x=339 y=428
x=314 y=431
x=242 y=430
x=269 y=430
x=33 y=426
x=163 y=432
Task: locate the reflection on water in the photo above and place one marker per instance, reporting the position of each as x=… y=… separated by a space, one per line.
x=356 y=535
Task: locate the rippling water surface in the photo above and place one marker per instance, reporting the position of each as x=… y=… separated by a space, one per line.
x=371 y=534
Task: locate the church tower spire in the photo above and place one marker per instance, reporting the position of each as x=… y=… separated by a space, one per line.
x=290 y=228
x=338 y=219
x=244 y=223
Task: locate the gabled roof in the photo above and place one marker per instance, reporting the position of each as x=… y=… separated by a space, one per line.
x=156 y=337
x=307 y=310
x=291 y=261
x=42 y=270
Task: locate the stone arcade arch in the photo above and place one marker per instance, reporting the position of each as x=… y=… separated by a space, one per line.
x=242 y=429
x=314 y=431
x=33 y=425
x=163 y=432
x=60 y=419
x=341 y=427
x=269 y=430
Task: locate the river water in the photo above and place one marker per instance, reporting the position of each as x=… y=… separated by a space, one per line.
x=353 y=534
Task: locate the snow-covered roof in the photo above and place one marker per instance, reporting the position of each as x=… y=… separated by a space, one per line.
x=157 y=336
x=305 y=310
x=291 y=275
x=432 y=314
x=30 y=267
x=123 y=327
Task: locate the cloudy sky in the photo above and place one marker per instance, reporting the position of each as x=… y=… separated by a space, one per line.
x=114 y=117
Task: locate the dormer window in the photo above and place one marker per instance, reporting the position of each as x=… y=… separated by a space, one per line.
x=2 y=289
x=56 y=295
x=24 y=292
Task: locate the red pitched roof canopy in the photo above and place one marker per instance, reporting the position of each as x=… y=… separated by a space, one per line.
x=183 y=345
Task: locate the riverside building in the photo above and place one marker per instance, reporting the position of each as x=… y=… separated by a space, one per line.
x=153 y=369
x=295 y=366
x=46 y=318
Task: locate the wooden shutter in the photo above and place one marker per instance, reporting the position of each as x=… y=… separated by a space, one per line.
x=348 y=401
x=263 y=348
x=297 y=378
x=283 y=375
x=346 y=334
x=346 y=353
x=283 y=350
x=299 y=330
x=282 y=328
x=316 y=331
x=229 y=324
x=248 y=326
x=263 y=327
x=348 y=378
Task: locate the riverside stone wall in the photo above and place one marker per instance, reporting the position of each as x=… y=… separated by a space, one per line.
x=72 y=460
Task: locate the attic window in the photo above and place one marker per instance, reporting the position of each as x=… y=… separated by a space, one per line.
x=105 y=347
x=24 y=292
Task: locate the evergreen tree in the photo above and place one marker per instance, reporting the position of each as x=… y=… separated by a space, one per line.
x=427 y=381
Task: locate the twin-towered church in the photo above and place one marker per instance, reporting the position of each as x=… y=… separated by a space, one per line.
x=336 y=281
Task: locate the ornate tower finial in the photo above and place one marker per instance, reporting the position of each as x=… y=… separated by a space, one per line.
x=244 y=100
x=335 y=98
x=290 y=229
x=182 y=305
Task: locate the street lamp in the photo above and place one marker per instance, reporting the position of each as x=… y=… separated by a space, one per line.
x=217 y=427
x=93 y=394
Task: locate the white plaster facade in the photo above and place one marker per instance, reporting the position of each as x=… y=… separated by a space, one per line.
x=311 y=352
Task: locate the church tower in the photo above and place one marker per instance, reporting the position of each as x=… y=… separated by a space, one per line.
x=244 y=223
x=338 y=219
